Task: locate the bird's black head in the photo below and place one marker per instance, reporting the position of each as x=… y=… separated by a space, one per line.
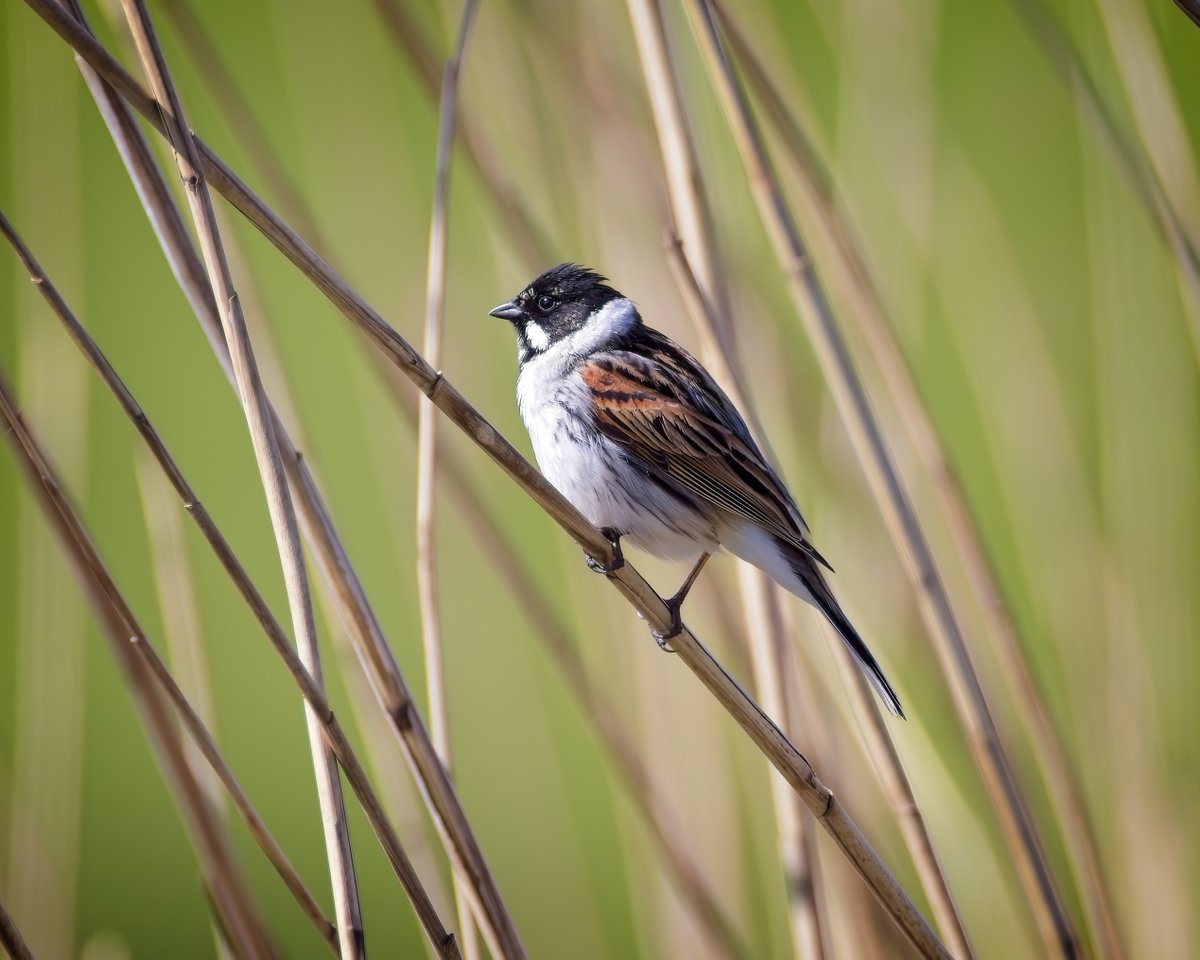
x=556 y=305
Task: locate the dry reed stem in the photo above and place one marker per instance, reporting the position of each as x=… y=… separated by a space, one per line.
x=605 y=719
x=697 y=257
x=1018 y=826
x=1049 y=749
x=895 y=782
x=1019 y=830
x=10 y=937
x=355 y=611
x=347 y=910
x=626 y=579
x=1056 y=44
x=231 y=899
x=311 y=692
x=1190 y=9
x=427 y=448
x=774 y=663
x=612 y=732
x=685 y=185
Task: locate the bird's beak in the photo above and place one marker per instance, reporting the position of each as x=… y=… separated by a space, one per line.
x=510 y=310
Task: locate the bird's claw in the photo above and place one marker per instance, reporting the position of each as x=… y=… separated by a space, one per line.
x=664 y=639
x=613 y=536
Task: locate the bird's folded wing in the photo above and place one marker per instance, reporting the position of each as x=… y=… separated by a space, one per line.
x=643 y=406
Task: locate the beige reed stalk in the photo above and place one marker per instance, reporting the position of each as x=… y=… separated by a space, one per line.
x=270 y=465
x=770 y=656
x=386 y=680
x=231 y=899
x=10 y=937
x=773 y=656
x=274 y=632
x=427 y=448
x=896 y=786
x=631 y=584
x=1049 y=749
x=612 y=732
x=694 y=890
x=356 y=613
x=1054 y=923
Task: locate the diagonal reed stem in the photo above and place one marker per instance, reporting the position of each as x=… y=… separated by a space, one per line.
x=1049 y=749
x=427 y=446
x=230 y=897
x=699 y=270
x=10 y=937
x=772 y=655
x=356 y=614
x=270 y=465
x=765 y=734
x=312 y=694
x=1019 y=830
x=896 y=786
x=611 y=731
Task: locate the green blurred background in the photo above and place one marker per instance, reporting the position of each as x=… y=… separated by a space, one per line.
x=1031 y=291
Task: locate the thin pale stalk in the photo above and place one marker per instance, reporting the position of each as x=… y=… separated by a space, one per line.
x=386 y=680
x=266 y=451
x=230 y=896
x=10 y=937
x=698 y=255
x=311 y=692
x=685 y=184
x=883 y=752
x=627 y=580
x=1050 y=752
x=903 y=802
x=427 y=448
x=1019 y=830
x=774 y=662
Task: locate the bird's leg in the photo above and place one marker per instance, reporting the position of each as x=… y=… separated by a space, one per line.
x=676 y=602
x=613 y=536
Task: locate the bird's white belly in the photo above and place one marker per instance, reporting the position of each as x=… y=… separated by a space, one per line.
x=591 y=471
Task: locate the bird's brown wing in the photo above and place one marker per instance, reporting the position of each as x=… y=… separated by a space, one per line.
x=643 y=403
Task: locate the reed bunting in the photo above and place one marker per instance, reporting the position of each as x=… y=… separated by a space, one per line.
x=633 y=431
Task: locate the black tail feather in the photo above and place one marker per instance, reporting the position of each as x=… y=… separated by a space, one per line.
x=803 y=566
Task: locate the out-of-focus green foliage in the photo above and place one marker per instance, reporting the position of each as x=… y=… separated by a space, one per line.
x=1041 y=312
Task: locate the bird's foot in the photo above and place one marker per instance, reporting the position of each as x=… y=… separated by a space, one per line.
x=613 y=536
x=674 y=604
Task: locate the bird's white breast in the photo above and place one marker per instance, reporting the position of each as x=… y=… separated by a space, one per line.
x=587 y=467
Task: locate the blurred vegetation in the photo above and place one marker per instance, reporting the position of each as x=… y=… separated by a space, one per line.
x=1041 y=310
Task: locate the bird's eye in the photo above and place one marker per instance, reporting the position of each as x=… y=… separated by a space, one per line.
x=545 y=303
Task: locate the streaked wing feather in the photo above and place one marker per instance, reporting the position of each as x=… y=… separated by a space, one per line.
x=644 y=402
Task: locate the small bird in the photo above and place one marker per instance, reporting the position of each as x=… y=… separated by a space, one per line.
x=635 y=433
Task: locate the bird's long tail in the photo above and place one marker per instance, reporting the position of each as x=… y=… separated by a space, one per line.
x=804 y=567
